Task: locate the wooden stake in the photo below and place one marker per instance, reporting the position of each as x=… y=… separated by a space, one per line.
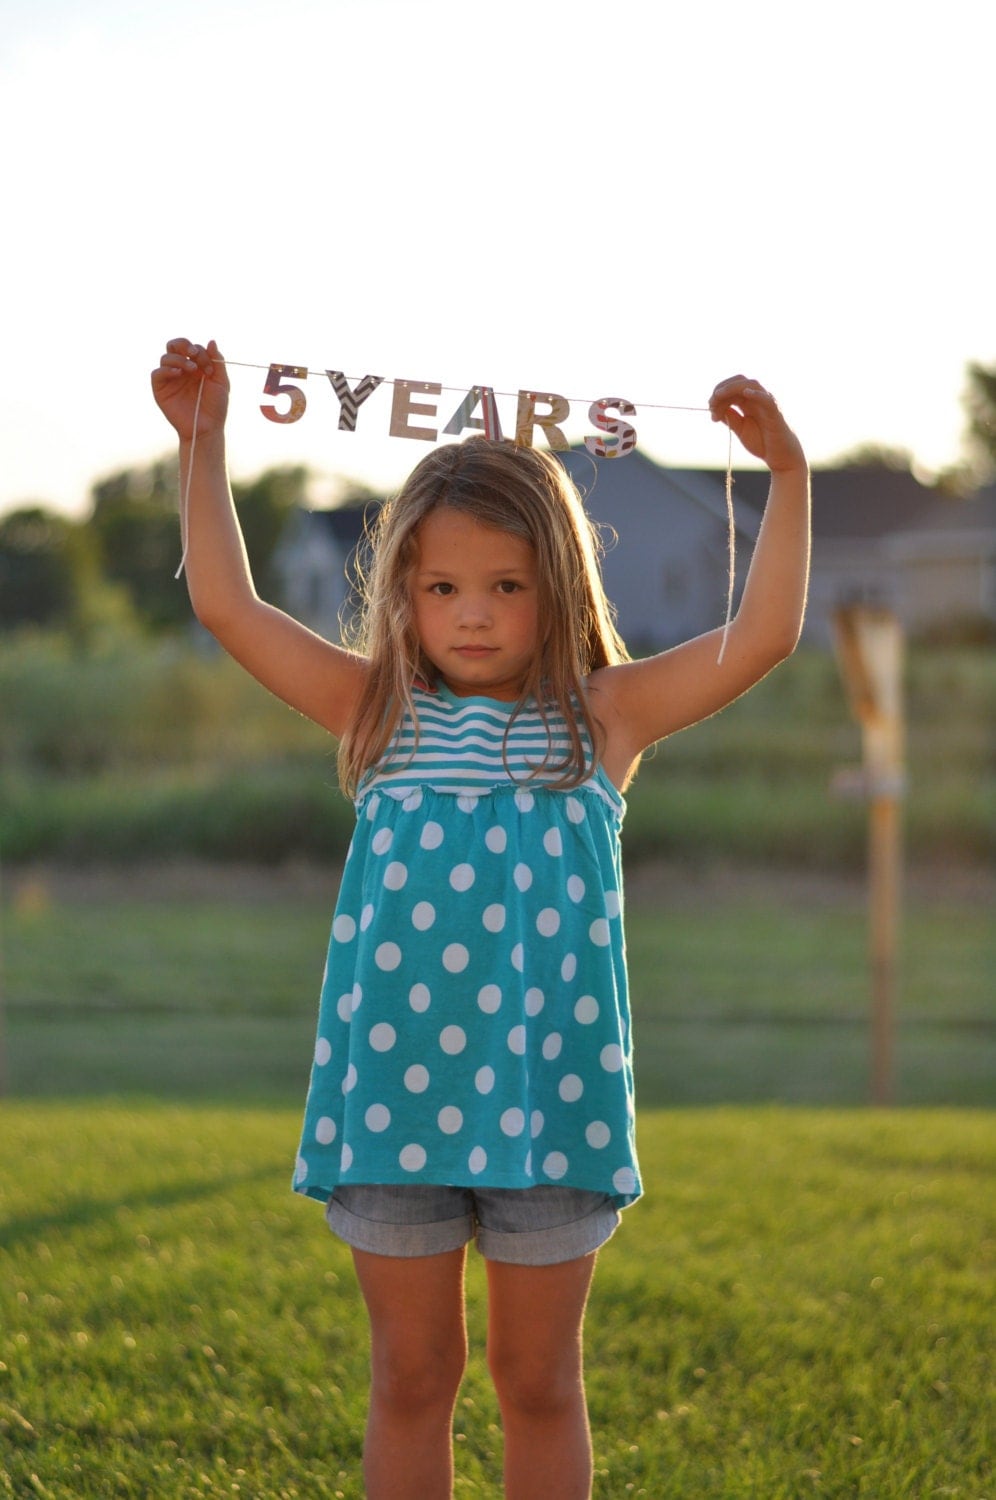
x=870 y=651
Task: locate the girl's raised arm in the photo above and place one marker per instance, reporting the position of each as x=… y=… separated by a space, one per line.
x=319 y=679
x=641 y=702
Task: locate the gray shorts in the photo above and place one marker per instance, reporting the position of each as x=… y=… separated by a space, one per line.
x=538 y=1226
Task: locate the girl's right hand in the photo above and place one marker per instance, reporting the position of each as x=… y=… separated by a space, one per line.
x=177 y=380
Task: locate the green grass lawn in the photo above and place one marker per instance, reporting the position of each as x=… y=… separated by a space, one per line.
x=800 y=1306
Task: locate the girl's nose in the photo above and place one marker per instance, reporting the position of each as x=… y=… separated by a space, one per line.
x=475 y=610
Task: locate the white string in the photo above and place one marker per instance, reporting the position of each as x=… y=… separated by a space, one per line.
x=732 y=542
x=245 y=364
x=185 y=493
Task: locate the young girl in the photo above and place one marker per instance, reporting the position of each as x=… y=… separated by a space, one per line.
x=472 y=1074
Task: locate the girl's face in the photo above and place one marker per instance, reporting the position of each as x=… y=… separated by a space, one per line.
x=475 y=599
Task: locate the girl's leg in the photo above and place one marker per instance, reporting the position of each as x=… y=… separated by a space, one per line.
x=418 y=1354
x=535 y=1321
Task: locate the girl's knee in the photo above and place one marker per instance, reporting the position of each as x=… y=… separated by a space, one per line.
x=535 y=1385
x=417 y=1379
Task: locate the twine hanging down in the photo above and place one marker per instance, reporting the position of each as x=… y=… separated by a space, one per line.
x=491 y=428
x=732 y=544
x=185 y=496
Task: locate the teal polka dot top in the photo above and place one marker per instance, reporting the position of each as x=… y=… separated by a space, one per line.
x=474 y=1024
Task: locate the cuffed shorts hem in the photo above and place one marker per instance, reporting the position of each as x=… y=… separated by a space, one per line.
x=538 y=1226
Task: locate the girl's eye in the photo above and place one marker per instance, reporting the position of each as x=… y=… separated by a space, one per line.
x=441 y=588
x=509 y=586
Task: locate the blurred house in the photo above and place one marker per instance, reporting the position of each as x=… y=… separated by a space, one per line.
x=882 y=538
x=879 y=537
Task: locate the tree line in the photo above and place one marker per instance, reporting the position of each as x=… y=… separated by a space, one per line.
x=116 y=567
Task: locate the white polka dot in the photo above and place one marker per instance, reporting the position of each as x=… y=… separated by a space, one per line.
x=524 y=801
x=323 y=1051
x=599 y=932
x=345 y=1007
x=518 y=957
x=555 y=1165
x=517 y=1041
x=462 y=877
x=536 y=1123
x=453 y=1039
x=527 y=1165
x=512 y=1122
x=489 y=999
x=575 y=810
x=552 y=1045
x=484 y=1080
x=416 y=1079
x=523 y=877
x=301 y=1170
x=372 y=807
x=455 y=958
x=387 y=957
x=496 y=840
x=477 y=1160
x=344 y=929
x=553 y=843
x=548 y=921
x=431 y=836
x=612 y=903
x=419 y=998
x=598 y=1135
x=569 y=967
x=378 y=1117
x=413 y=801
x=412 y=1158
x=571 y=1088
x=356 y=997
x=611 y=1058
x=494 y=917
x=395 y=875
x=383 y=1037
x=533 y=1002
x=466 y=804
x=325 y=1131
x=575 y=888
x=624 y=1181
x=346 y=1159
x=586 y=1010
x=450 y=1120
x=349 y=1082
x=423 y=915
x=382 y=841
x=366 y=917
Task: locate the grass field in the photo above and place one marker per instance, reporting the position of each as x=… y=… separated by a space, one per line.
x=198 y=983
x=800 y=1306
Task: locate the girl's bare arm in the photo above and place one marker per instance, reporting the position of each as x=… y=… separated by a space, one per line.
x=643 y=701
x=318 y=679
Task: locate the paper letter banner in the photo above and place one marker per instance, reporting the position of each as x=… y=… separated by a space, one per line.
x=546 y=410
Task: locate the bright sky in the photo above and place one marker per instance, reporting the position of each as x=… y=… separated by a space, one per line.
x=632 y=200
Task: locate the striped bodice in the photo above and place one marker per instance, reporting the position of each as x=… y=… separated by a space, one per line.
x=466 y=746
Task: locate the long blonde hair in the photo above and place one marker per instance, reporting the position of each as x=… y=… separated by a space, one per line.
x=519 y=490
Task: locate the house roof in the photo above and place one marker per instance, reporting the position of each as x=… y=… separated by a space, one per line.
x=852 y=503
x=599 y=480
x=864 y=501
x=345 y=523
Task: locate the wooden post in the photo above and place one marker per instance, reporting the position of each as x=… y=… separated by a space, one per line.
x=869 y=645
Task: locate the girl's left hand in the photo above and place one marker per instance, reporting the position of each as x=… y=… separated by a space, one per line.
x=752 y=413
